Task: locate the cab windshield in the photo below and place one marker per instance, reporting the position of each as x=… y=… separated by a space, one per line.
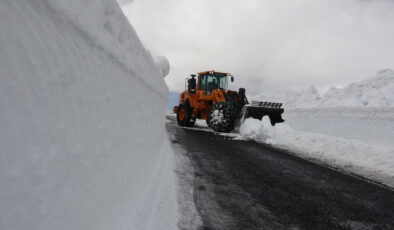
x=213 y=81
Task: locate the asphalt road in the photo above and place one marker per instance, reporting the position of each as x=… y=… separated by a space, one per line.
x=246 y=185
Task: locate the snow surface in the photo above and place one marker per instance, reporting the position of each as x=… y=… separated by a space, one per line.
x=373 y=92
x=82 y=139
x=373 y=126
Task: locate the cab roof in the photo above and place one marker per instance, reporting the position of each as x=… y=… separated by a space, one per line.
x=213 y=72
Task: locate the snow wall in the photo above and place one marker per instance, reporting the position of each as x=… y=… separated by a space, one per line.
x=82 y=113
x=370 y=125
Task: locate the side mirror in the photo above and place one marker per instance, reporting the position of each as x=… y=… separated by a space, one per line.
x=232 y=79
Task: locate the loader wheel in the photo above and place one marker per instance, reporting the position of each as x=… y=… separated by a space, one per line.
x=183 y=116
x=208 y=124
x=222 y=117
x=191 y=122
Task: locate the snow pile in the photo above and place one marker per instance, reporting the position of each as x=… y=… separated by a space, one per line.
x=82 y=140
x=352 y=156
x=374 y=92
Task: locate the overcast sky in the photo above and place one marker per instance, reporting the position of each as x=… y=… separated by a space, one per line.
x=268 y=44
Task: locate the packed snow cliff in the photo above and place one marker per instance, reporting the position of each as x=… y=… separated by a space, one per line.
x=82 y=138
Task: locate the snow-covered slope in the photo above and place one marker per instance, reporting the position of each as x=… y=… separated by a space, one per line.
x=82 y=139
x=373 y=92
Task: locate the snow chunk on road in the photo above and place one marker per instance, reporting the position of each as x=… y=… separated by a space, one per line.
x=352 y=156
x=252 y=129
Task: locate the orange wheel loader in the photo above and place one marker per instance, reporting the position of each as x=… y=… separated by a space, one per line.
x=208 y=98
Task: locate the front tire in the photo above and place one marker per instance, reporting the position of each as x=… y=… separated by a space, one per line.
x=222 y=117
x=183 y=116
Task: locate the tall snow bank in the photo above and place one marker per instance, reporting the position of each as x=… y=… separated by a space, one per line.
x=82 y=138
x=373 y=126
x=373 y=92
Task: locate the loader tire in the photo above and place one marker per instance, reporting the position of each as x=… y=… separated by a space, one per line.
x=191 y=122
x=183 y=116
x=208 y=124
x=222 y=117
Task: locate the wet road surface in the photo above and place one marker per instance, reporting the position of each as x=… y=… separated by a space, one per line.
x=247 y=185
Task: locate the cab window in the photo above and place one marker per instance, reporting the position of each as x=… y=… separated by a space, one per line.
x=203 y=82
x=209 y=82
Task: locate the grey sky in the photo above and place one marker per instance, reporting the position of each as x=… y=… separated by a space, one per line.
x=269 y=44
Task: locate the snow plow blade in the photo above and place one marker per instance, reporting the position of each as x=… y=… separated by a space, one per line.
x=259 y=109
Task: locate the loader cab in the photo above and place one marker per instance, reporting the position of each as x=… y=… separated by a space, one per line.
x=210 y=80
